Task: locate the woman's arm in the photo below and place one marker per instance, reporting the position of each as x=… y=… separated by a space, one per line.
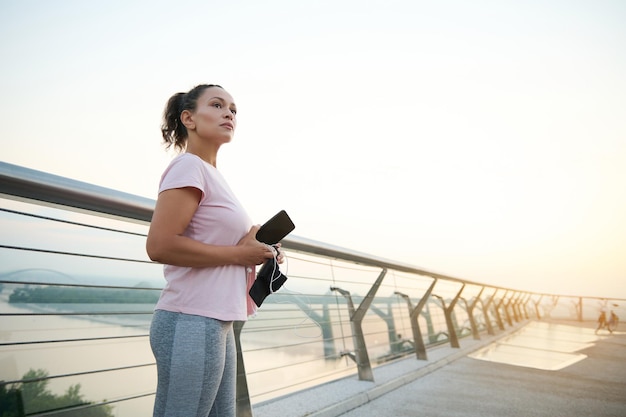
x=166 y=243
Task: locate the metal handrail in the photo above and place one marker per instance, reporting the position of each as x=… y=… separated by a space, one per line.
x=19 y=183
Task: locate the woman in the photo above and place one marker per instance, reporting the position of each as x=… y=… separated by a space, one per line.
x=206 y=241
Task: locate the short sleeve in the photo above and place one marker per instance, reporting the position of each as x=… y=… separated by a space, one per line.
x=185 y=170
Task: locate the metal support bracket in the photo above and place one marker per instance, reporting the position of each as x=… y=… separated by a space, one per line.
x=507 y=311
x=524 y=306
x=497 y=310
x=452 y=336
x=486 y=313
x=469 y=307
x=418 y=341
x=537 y=303
x=356 y=320
x=515 y=307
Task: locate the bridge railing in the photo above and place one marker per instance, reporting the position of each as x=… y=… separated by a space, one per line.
x=77 y=293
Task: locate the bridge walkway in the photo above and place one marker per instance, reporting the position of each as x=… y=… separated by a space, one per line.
x=536 y=369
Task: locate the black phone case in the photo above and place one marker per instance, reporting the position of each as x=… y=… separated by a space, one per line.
x=269 y=280
x=275 y=229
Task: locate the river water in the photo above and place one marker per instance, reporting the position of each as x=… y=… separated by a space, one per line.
x=64 y=346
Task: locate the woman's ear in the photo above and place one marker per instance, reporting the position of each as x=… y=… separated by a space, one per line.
x=187 y=119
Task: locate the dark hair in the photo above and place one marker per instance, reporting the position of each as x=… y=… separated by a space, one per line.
x=173 y=130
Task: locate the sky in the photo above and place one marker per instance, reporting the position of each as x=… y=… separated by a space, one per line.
x=484 y=140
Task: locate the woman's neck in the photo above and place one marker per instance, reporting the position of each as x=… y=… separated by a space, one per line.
x=207 y=154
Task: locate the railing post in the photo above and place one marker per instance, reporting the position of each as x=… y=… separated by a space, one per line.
x=515 y=307
x=506 y=310
x=515 y=317
x=418 y=341
x=525 y=306
x=497 y=310
x=579 y=309
x=244 y=408
x=518 y=306
x=356 y=319
x=452 y=336
x=469 y=307
x=536 y=303
x=486 y=313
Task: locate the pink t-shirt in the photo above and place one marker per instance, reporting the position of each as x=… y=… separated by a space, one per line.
x=216 y=292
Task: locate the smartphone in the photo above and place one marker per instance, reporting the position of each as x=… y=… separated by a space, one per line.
x=275 y=229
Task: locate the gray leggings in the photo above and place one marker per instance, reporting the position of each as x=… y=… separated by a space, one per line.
x=196 y=365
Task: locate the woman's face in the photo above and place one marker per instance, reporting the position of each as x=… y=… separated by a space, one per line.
x=215 y=115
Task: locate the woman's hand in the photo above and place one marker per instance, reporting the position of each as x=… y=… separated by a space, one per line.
x=280 y=258
x=254 y=252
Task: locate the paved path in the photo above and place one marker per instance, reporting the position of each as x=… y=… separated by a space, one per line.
x=452 y=384
x=593 y=387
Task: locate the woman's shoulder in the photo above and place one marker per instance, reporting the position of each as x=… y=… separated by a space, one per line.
x=186 y=159
x=188 y=162
x=185 y=165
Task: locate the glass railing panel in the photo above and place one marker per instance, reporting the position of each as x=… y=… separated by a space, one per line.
x=76 y=299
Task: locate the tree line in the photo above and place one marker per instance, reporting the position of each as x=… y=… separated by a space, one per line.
x=83 y=295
